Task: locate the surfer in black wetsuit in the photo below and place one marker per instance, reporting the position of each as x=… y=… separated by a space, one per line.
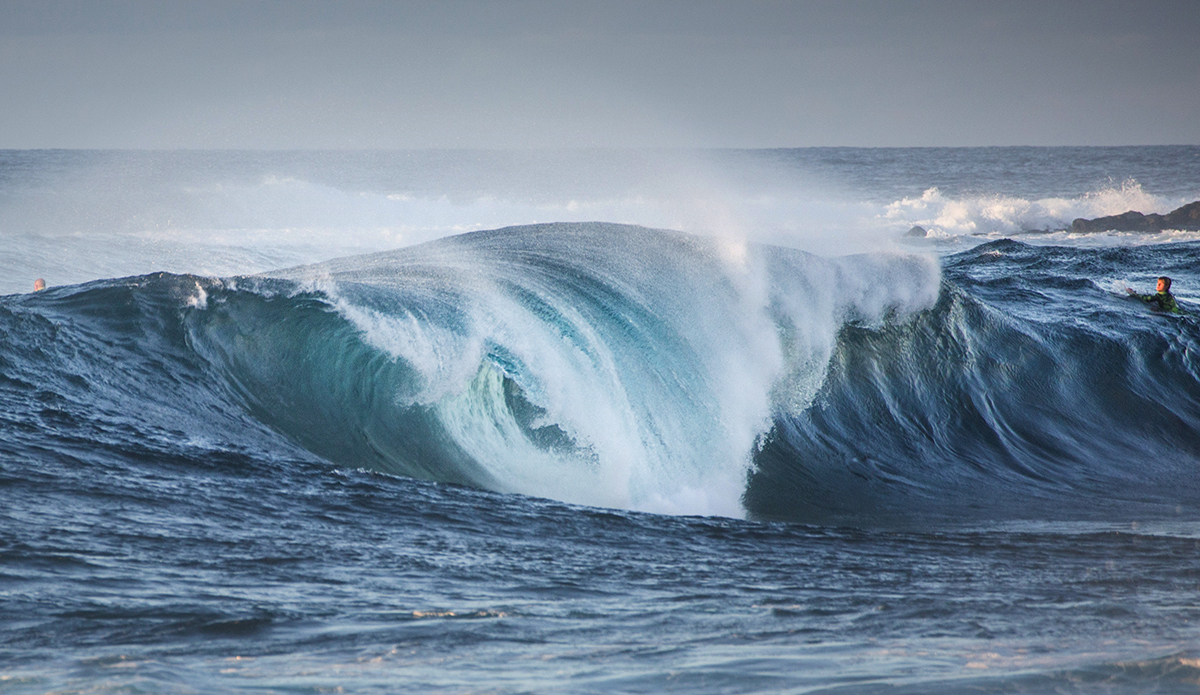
x=1162 y=300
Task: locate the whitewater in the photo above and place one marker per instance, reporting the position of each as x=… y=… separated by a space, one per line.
x=847 y=420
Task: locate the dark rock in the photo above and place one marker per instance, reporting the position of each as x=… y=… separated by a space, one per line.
x=1186 y=217
x=917 y=232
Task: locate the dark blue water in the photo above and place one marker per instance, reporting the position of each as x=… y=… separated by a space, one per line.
x=605 y=458
x=233 y=575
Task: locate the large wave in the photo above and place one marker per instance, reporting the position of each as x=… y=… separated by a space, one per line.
x=621 y=366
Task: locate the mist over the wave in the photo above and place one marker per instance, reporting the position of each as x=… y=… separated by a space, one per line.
x=77 y=216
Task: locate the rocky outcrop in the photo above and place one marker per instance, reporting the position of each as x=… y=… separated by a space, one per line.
x=1186 y=217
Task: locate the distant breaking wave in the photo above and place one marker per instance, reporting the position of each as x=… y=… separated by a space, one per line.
x=951 y=218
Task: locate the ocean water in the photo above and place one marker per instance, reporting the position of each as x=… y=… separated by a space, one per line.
x=597 y=422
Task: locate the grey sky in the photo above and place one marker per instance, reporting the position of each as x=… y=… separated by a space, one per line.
x=306 y=74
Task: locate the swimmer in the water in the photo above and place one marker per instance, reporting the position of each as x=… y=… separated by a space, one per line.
x=1162 y=300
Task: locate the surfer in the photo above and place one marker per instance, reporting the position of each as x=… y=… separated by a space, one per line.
x=1162 y=300
x=39 y=285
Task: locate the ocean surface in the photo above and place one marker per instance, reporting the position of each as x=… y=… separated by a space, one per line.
x=597 y=422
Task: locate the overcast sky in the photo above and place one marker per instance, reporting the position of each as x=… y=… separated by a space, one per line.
x=687 y=73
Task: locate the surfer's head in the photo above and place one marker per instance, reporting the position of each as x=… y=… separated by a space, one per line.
x=1164 y=284
x=39 y=285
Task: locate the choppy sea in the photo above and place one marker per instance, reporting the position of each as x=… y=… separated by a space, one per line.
x=597 y=421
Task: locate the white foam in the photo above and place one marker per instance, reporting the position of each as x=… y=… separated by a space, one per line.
x=198 y=300
x=946 y=217
x=98 y=225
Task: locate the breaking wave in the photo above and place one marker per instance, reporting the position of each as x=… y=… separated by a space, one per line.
x=621 y=366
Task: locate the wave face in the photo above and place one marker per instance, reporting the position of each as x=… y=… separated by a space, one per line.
x=625 y=367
